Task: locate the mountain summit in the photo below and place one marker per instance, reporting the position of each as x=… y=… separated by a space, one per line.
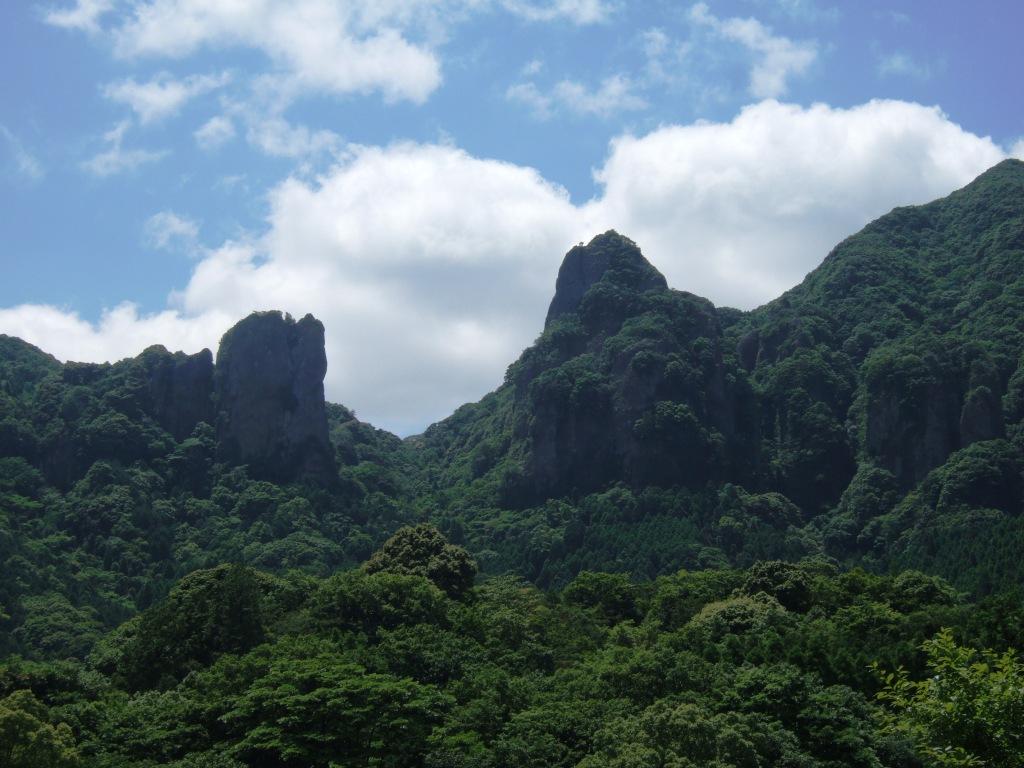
x=609 y=256
x=877 y=407
x=270 y=397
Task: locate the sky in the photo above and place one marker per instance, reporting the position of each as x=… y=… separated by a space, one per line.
x=412 y=172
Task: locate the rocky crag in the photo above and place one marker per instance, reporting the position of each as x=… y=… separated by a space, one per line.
x=269 y=395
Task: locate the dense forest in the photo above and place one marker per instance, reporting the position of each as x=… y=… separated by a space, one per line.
x=676 y=534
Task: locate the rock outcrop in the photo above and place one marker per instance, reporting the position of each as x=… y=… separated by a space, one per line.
x=609 y=256
x=180 y=389
x=269 y=394
x=629 y=384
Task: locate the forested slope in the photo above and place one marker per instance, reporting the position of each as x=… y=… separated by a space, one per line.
x=403 y=663
x=675 y=535
x=872 y=414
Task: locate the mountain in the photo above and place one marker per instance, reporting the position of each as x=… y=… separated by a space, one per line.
x=265 y=396
x=805 y=515
x=118 y=479
x=872 y=415
x=842 y=418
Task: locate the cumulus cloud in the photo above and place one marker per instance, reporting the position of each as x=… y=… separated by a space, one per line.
x=115 y=158
x=84 y=15
x=776 y=58
x=740 y=211
x=541 y=104
x=163 y=96
x=336 y=47
x=432 y=268
x=167 y=230
x=119 y=333
x=214 y=133
x=418 y=258
x=1017 y=150
x=316 y=45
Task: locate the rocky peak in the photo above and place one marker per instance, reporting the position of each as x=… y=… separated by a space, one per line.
x=609 y=256
x=269 y=390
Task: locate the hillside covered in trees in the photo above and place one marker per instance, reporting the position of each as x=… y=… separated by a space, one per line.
x=874 y=414
x=676 y=534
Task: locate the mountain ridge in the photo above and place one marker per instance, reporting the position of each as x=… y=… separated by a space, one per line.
x=906 y=312
x=872 y=416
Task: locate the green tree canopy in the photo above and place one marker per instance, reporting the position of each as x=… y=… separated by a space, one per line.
x=422 y=550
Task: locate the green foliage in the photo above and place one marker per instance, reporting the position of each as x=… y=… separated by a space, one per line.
x=355 y=600
x=733 y=513
x=764 y=667
x=28 y=739
x=787 y=583
x=422 y=550
x=967 y=711
x=612 y=594
x=313 y=707
x=208 y=613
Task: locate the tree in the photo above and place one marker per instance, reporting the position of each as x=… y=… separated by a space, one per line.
x=787 y=583
x=27 y=737
x=315 y=707
x=967 y=712
x=422 y=550
x=613 y=595
x=208 y=613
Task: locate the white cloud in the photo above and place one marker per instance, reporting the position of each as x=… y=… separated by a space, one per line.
x=417 y=258
x=1017 y=150
x=577 y=11
x=615 y=94
x=432 y=269
x=741 y=211
x=25 y=163
x=541 y=104
x=120 y=332
x=163 y=96
x=83 y=16
x=777 y=58
x=320 y=46
x=335 y=47
x=655 y=44
x=167 y=230
x=116 y=159
x=214 y=133
x=903 y=64
x=277 y=137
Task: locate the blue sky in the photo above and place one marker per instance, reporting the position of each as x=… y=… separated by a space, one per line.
x=412 y=172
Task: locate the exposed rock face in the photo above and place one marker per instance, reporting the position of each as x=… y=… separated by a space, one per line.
x=631 y=385
x=981 y=417
x=180 y=389
x=608 y=255
x=911 y=436
x=269 y=384
x=918 y=413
